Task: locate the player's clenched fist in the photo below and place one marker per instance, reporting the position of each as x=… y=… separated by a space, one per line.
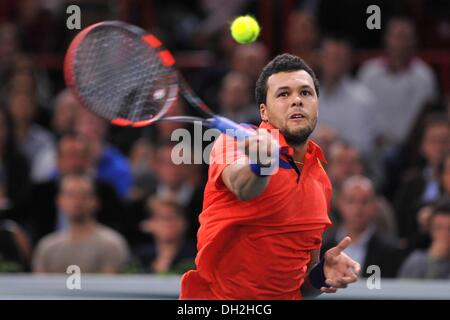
x=262 y=148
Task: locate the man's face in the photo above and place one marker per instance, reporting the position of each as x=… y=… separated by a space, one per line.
x=77 y=199
x=435 y=143
x=400 y=39
x=440 y=228
x=73 y=156
x=291 y=105
x=344 y=162
x=335 y=59
x=169 y=173
x=165 y=223
x=357 y=205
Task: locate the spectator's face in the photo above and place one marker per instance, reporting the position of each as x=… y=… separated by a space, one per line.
x=301 y=31
x=77 y=199
x=166 y=224
x=235 y=93
x=440 y=228
x=445 y=178
x=290 y=93
x=8 y=43
x=335 y=59
x=90 y=125
x=357 y=206
x=21 y=107
x=73 y=156
x=401 y=39
x=168 y=172
x=344 y=162
x=325 y=136
x=22 y=81
x=250 y=60
x=435 y=143
x=65 y=114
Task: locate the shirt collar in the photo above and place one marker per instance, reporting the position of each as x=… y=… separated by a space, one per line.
x=312 y=150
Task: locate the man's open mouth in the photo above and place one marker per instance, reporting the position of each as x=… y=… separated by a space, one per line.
x=296 y=116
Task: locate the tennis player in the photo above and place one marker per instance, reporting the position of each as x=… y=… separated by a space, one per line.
x=260 y=233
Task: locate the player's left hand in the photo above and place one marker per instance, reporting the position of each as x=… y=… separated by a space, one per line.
x=339 y=269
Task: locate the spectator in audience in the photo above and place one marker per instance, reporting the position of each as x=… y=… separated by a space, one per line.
x=171 y=251
x=433 y=263
x=35 y=142
x=43 y=215
x=344 y=161
x=345 y=104
x=35 y=25
x=64 y=114
x=401 y=82
x=111 y=165
x=9 y=48
x=236 y=100
x=421 y=185
x=444 y=175
x=14 y=170
x=325 y=136
x=357 y=203
x=250 y=59
x=143 y=162
x=25 y=77
x=175 y=184
x=91 y=246
x=302 y=37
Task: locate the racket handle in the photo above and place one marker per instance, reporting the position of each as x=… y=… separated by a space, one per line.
x=230 y=127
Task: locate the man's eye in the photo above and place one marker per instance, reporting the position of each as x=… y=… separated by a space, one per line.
x=305 y=93
x=283 y=94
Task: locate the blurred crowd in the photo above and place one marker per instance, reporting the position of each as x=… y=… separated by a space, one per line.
x=76 y=191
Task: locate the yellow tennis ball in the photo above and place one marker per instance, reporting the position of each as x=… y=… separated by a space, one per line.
x=245 y=29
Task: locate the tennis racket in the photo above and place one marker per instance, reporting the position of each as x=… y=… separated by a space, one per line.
x=126 y=76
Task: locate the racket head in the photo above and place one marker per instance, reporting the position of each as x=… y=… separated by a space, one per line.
x=121 y=73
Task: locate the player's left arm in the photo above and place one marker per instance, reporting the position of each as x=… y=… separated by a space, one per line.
x=339 y=270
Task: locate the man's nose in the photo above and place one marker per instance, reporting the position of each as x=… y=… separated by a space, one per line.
x=297 y=101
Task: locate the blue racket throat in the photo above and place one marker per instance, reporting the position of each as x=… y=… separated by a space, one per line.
x=231 y=128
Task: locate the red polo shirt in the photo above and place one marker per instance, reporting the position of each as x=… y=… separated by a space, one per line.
x=259 y=249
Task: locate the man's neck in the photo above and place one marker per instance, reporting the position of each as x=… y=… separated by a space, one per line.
x=300 y=151
x=82 y=230
x=397 y=64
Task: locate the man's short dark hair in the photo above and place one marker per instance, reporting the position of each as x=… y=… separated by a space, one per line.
x=282 y=63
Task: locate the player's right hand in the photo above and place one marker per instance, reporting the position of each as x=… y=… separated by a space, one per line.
x=262 y=148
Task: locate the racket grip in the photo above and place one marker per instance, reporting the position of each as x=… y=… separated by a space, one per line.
x=231 y=128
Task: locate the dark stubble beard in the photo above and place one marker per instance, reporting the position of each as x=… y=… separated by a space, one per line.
x=299 y=137
x=81 y=218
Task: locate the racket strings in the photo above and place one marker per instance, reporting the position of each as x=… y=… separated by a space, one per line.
x=120 y=77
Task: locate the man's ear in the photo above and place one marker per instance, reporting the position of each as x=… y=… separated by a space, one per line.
x=263 y=112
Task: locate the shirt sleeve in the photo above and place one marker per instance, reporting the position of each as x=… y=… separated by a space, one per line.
x=224 y=152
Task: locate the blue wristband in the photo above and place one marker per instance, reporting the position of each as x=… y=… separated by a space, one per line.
x=256 y=169
x=317 y=276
